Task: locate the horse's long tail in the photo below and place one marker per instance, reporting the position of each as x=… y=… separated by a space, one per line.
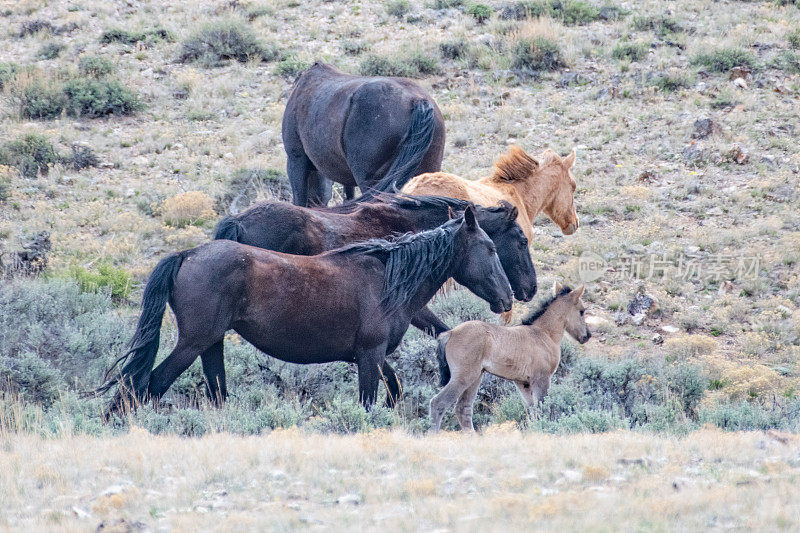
x=441 y=356
x=139 y=360
x=413 y=148
x=229 y=228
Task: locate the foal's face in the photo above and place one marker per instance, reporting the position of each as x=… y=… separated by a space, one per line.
x=479 y=269
x=575 y=324
x=561 y=208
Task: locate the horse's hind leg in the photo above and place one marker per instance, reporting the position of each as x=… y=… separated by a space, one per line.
x=465 y=405
x=214 y=370
x=298 y=168
x=174 y=365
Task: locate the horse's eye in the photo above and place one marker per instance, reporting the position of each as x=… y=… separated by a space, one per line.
x=582 y=311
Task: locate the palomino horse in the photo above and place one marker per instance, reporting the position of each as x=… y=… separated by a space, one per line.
x=351 y=304
x=533 y=185
x=366 y=131
x=528 y=354
x=298 y=230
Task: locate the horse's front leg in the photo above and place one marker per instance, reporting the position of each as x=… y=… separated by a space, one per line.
x=370 y=362
x=426 y=321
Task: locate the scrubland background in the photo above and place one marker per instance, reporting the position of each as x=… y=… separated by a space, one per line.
x=127 y=129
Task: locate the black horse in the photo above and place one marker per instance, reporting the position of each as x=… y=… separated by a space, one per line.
x=351 y=304
x=308 y=231
x=366 y=131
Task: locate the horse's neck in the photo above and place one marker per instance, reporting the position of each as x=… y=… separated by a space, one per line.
x=552 y=323
x=428 y=288
x=532 y=195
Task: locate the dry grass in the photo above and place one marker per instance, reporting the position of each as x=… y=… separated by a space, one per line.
x=500 y=481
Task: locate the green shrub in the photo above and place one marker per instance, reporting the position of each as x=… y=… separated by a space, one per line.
x=421 y=63
x=670 y=83
x=41 y=100
x=50 y=51
x=117 y=281
x=95 y=66
x=724 y=59
x=398 y=8
x=81 y=157
x=290 y=67
x=480 y=12
x=537 y=53
x=95 y=98
x=660 y=25
x=630 y=51
x=788 y=61
x=8 y=71
x=793 y=38
x=31 y=154
x=31 y=377
x=454 y=49
x=447 y=4
x=570 y=12
x=745 y=416
x=354 y=48
x=247 y=184
x=31 y=26
x=117 y=35
x=224 y=40
x=374 y=65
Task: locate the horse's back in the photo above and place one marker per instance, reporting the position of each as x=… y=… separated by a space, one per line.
x=452 y=186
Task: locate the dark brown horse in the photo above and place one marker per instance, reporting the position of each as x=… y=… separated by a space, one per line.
x=351 y=304
x=365 y=131
x=308 y=231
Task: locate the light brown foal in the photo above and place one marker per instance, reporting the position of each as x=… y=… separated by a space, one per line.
x=527 y=354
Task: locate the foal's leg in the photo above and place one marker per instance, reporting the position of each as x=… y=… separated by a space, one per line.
x=465 y=405
x=214 y=370
x=457 y=385
x=533 y=391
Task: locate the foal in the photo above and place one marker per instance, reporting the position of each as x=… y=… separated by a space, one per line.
x=527 y=354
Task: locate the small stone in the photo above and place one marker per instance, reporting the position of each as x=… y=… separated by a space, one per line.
x=726 y=287
x=638 y=318
x=642 y=303
x=736 y=155
x=658 y=339
x=703 y=127
x=701 y=87
x=739 y=82
x=740 y=73
x=595 y=320
x=669 y=329
x=647 y=176
x=349 y=499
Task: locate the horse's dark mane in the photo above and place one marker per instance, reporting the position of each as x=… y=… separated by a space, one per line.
x=539 y=311
x=401 y=201
x=410 y=259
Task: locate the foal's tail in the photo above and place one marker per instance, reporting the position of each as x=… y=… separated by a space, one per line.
x=139 y=360
x=441 y=356
x=413 y=148
x=229 y=228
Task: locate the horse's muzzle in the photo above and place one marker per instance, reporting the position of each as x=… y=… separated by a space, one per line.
x=586 y=337
x=569 y=230
x=504 y=306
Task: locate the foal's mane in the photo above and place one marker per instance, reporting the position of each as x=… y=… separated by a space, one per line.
x=410 y=260
x=539 y=311
x=518 y=165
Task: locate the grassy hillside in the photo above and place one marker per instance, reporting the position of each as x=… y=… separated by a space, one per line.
x=127 y=131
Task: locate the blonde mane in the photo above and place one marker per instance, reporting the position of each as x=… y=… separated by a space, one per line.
x=517 y=165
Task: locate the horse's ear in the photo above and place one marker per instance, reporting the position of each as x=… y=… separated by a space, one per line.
x=557 y=288
x=579 y=292
x=570 y=159
x=469 y=218
x=512 y=211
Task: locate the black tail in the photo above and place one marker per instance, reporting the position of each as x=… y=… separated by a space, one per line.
x=413 y=148
x=139 y=360
x=229 y=228
x=444 y=368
